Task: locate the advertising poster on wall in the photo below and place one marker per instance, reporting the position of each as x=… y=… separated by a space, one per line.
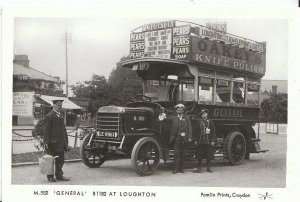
x=23 y=103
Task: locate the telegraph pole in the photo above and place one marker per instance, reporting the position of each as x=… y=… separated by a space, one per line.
x=67 y=39
x=67 y=72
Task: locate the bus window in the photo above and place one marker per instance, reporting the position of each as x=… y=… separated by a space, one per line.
x=172 y=94
x=157 y=90
x=238 y=92
x=186 y=92
x=205 y=89
x=223 y=91
x=252 y=94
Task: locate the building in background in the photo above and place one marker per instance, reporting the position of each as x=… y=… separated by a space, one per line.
x=274 y=86
x=26 y=78
x=33 y=92
x=269 y=87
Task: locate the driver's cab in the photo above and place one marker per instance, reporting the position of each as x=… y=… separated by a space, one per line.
x=167 y=83
x=170 y=91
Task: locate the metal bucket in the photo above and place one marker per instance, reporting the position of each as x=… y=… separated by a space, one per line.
x=46 y=164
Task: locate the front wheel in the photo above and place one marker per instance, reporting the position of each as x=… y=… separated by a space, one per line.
x=91 y=155
x=235 y=147
x=145 y=156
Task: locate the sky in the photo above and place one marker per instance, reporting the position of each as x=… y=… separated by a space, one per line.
x=97 y=44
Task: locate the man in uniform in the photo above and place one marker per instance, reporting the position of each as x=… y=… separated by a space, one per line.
x=181 y=134
x=56 y=139
x=205 y=134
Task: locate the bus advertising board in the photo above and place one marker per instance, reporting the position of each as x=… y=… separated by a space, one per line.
x=214 y=53
x=198 y=44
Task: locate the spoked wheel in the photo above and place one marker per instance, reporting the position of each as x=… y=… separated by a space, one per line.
x=91 y=155
x=235 y=147
x=145 y=156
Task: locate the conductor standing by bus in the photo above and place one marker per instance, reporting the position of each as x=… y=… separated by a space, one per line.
x=205 y=134
x=180 y=135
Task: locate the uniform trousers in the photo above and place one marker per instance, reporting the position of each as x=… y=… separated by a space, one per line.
x=204 y=151
x=179 y=153
x=59 y=162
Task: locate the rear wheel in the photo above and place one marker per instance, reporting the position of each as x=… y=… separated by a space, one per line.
x=235 y=147
x=145 y=156
x=91 y=155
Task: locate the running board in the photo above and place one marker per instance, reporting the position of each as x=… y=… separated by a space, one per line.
x=261 y=151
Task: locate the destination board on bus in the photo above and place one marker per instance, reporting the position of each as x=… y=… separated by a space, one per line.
x=161 y=40
x=158 y=43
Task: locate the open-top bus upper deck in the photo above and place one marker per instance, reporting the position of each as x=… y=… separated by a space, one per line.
x=194 y=63
x=192 y=43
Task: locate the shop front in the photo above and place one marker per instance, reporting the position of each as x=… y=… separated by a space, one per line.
x=29 y=107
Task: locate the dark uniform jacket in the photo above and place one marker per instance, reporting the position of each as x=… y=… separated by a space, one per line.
x=202 y=136
x=55 y=133
x=179 y=126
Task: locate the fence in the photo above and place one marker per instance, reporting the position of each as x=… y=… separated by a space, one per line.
x=272 y=128
x=23 y=135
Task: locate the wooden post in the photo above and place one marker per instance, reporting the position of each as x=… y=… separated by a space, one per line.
x=246 y=91
x=214 y=95
x=231 y=92
x=65 y=117
x=76 y=136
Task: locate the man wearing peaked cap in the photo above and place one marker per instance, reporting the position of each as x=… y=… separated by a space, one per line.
x=179 y=106
x=181 y=134
x=204 y=111
x=56 y=139
x=205 y=135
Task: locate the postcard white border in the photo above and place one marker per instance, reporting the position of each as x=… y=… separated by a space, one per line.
x=14 y=192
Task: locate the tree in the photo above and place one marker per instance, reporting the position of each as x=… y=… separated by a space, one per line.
x=274 y=109
x=96 y=90
x=124 y=83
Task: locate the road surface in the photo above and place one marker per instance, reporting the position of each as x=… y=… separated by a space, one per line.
x=262 y=170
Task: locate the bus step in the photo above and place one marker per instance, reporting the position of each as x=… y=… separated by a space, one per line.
x=260 y=151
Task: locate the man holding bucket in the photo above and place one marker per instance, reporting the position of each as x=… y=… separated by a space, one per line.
x=56 y=139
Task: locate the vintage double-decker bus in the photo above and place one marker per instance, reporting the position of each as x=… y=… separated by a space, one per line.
x=181 y=62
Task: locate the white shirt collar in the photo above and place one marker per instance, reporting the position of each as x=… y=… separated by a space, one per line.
x=56 y=112
x=180 y=116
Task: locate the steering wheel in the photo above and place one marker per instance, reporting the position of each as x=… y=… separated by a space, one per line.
x=140 y=98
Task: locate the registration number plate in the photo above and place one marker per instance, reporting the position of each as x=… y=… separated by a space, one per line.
x=107 y=134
